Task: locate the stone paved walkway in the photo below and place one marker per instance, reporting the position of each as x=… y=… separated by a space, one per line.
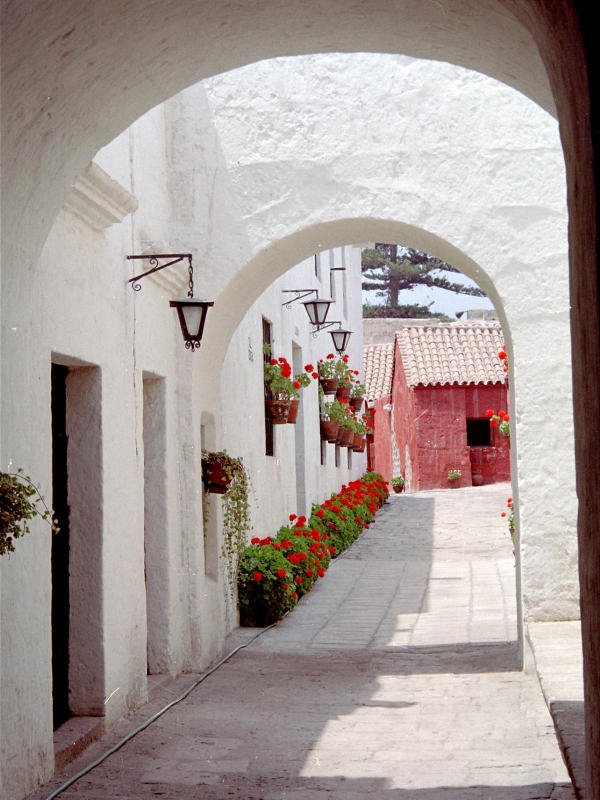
x=396 y=678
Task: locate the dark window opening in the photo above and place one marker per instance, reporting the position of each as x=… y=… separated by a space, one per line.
x=479 y=433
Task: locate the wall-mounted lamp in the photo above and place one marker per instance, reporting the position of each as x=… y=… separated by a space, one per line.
x=340 y=337
x=316 y=308
x=191 y=312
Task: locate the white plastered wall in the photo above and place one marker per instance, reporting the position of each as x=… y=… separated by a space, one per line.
x=458 y=165
x=463 y=168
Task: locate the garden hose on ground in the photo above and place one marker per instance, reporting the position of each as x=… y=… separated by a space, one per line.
x=154 y=717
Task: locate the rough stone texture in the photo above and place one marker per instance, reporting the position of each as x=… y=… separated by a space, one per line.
x=396 y=677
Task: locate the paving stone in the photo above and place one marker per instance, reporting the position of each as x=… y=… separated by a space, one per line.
x=397 y=678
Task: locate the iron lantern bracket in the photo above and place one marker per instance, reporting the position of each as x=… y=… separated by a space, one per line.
x=155 y=266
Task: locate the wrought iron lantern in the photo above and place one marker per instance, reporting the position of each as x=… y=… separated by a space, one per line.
x=340 y=338
x=316 y=308
x=190 y=311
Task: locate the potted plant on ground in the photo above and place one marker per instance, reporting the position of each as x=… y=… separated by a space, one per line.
x=454 y=477
x=398 y=483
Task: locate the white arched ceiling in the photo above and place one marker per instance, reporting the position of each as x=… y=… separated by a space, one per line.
x=76 y=74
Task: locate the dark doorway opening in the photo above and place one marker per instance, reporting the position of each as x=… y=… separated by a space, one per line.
x=60 y=549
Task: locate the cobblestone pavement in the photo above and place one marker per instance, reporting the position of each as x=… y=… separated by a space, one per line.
x=397 y=678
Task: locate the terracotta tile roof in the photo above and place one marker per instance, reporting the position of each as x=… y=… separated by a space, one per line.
x=378 y=362
x=451 y=352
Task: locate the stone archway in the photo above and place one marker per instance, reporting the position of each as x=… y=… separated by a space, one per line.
x=56 y=123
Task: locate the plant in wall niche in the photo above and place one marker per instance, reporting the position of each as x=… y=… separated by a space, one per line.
x=218 y=470
x=20 y=500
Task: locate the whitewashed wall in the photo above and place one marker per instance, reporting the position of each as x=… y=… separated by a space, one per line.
x=253 y=173
x=452 y=163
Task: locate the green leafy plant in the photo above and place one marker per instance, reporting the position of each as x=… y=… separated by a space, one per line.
x=500 y=420
x=454 y=474
x=397 y=480
x=510 y=517
x=20 y=501
x=358 y=389
x=333 y=411
x=236 y=507
x=236 y=516
x=336 y=369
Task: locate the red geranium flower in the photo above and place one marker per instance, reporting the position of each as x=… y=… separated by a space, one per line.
x=309 y=368
x=330 y=355
x=257 y=576
x=315 y=375
x=320 y=572
x=489 y=412
x=281 y=573
x=255 y=540
x=292 y=517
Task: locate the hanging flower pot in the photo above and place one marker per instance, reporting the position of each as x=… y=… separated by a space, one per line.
x=218 y=470
x=343 y=393
x=356 y=403
x=278 y=411
x=329 y=430
x=358 y=444
x=329 y=385
x=293 y=411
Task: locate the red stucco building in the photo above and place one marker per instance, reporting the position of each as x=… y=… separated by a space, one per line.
x=431 y=411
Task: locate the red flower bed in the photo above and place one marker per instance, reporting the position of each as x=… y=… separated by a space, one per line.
x=291 y=562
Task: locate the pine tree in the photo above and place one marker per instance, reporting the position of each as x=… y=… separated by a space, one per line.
x=389 y=269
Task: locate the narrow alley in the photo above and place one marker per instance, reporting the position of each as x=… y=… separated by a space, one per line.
x=396 y=678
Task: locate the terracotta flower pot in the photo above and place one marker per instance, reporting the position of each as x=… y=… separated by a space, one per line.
x=343 y=393
x=293 y=412
x=356 y=403
x=358 y=444
x=215 y=475
x=278 y=411
x=345 y=435
x=329 y=430
x=398 y=489
x=329 y=385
